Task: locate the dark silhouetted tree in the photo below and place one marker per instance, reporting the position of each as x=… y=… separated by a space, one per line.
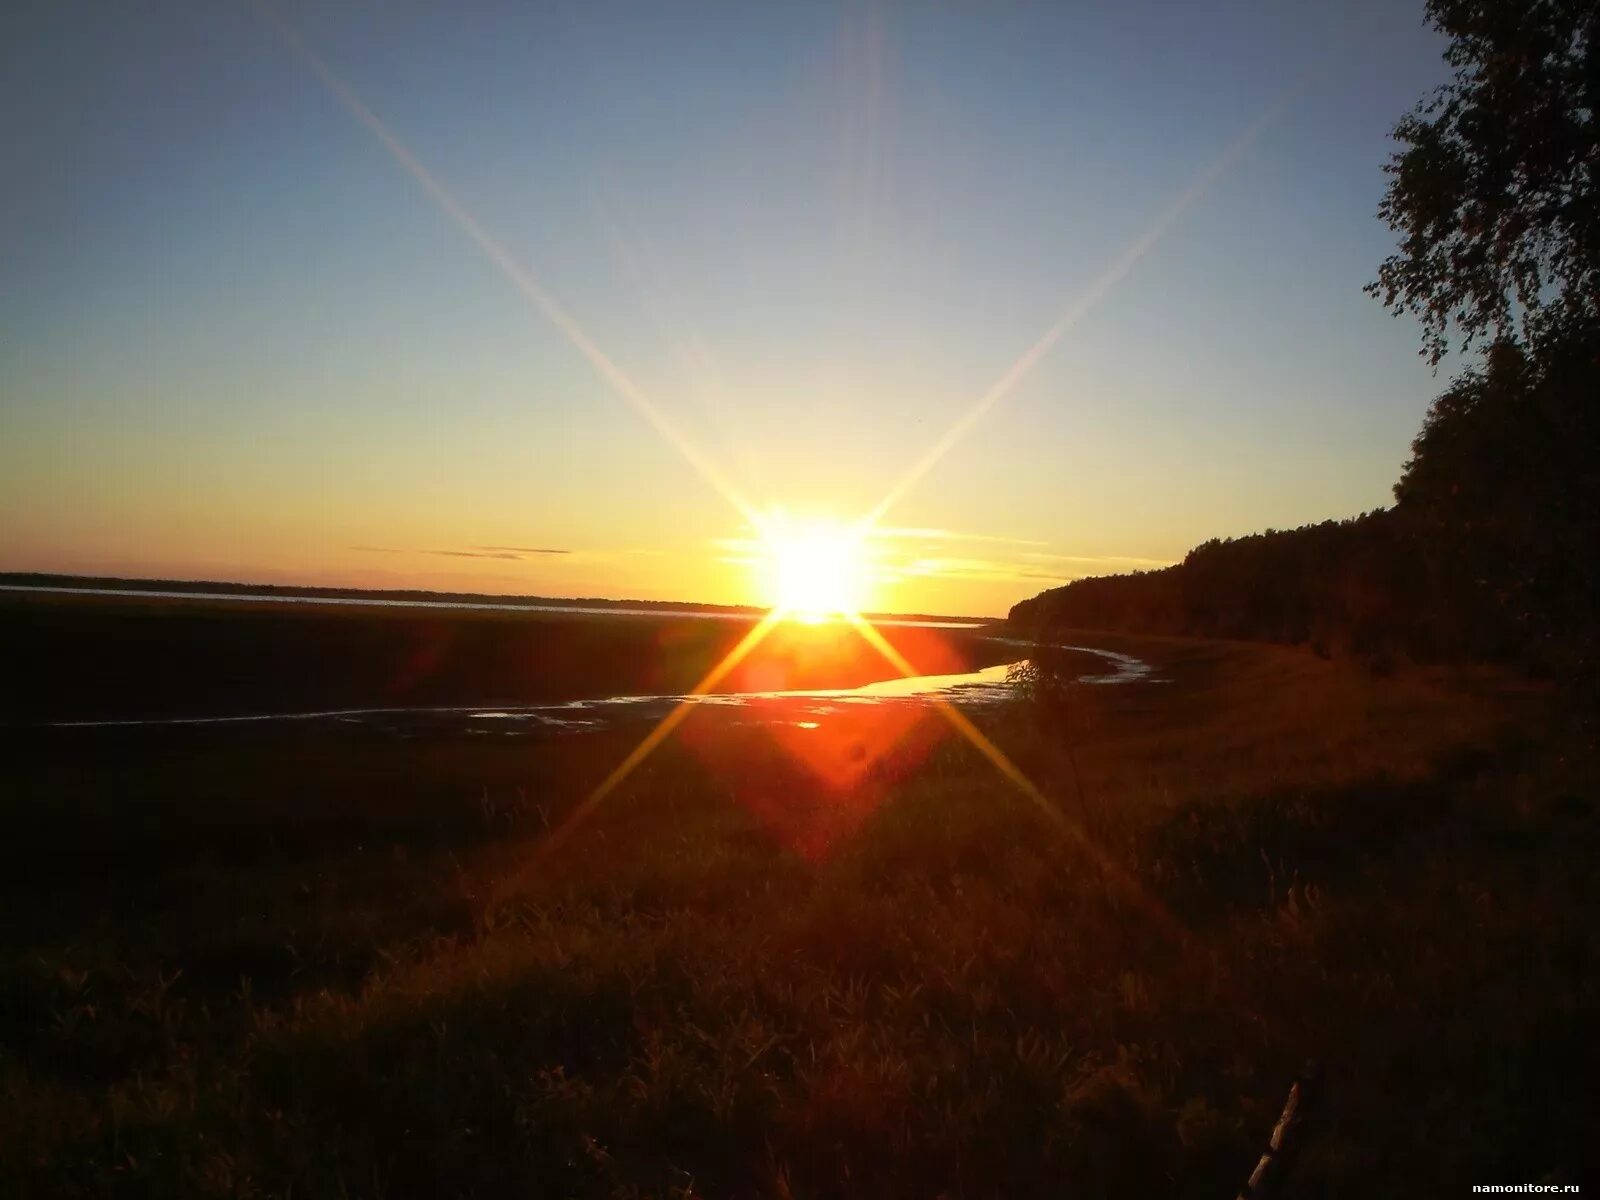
x=1502 y=494
x=1495 y=192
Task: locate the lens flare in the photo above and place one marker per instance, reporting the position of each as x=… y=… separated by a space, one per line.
x=817 y=570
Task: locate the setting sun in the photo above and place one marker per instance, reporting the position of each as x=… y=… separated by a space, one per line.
x=815 y=569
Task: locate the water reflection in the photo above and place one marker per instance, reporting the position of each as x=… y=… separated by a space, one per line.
x=799 y=708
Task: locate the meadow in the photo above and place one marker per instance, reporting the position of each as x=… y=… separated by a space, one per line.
x=858 y=965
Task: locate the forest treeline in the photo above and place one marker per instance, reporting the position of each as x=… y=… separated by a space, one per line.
x=1492 y=547
x=1491 y=550
x=1338 y=585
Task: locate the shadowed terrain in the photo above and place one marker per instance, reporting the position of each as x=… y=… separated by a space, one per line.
x=328 y=892
x=863 y=966
x=87 y=657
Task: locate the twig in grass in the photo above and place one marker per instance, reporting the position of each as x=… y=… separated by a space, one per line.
x=1278 y=1157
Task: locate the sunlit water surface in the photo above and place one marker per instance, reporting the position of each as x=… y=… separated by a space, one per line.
x=972 y=689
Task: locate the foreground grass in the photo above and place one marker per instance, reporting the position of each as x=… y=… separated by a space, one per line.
x=345 y=968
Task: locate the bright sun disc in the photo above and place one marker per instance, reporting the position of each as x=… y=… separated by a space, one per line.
x=816 y=568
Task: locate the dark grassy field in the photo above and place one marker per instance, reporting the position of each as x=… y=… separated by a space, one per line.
x=849 y=961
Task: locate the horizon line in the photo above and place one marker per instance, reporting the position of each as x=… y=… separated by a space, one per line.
x=753 y=609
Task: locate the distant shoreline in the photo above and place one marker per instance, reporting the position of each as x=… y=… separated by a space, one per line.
x=209 y=587
x=78 y=653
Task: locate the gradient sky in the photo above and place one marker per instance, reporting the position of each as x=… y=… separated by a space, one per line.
x=238 y=341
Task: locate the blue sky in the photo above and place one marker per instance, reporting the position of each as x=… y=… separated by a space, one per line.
x=237 y=340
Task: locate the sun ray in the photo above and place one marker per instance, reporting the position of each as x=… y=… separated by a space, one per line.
x=1086 y=302
x=530 y=288
x=662 y=730
x=1114 y=875
x=965 y=727
x=666 y=308
x=519 y=276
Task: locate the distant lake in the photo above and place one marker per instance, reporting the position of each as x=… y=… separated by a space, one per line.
x=458 y=605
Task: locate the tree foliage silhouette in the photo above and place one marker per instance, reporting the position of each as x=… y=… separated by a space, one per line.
x=1502 y=496
x=1494 y=193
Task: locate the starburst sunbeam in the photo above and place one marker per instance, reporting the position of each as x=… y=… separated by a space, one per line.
x=1080 y=307
x=662 y=730
x=530 y=288
x=519 y=276
x=965 y=727
x=1115 y=876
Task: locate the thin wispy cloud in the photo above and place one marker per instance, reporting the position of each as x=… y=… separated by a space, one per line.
x=949 y=535
x=1032 y=567
x=903 y=533
x=1100 y=560
x=992 y=570
x=504 y=553
x=519 y=550
x=905 y=552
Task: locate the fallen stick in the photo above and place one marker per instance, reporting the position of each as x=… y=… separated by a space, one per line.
x=1273 y=1168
